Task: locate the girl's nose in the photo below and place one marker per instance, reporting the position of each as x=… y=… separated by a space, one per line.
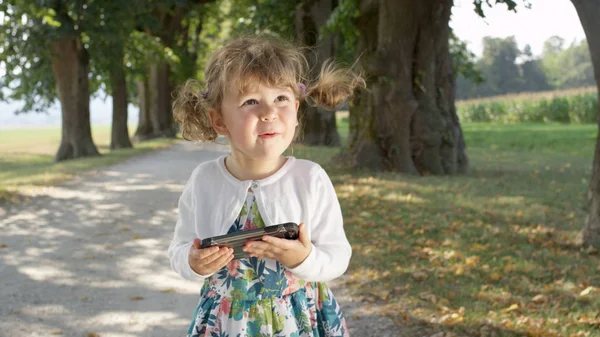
x=269 y=114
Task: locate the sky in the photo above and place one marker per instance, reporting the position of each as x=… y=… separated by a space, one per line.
x=530 y=26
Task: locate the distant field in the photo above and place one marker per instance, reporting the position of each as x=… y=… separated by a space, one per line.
x=577 y=106
x=530 y=95
x=26 y=157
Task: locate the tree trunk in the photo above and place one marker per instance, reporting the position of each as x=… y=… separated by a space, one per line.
x=156 y=116
x=318 y=124
x=144 y=125
x=161 y=115
x=71 y=66
x=589 y=12
x=159 y=85
x=120 y=132
x=406 y=120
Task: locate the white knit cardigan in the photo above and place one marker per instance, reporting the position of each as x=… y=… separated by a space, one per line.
x=300 y=191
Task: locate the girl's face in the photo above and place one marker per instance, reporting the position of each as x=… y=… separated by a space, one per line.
x=259 y=123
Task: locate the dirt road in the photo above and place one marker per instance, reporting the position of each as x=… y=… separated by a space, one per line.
x=88 y=258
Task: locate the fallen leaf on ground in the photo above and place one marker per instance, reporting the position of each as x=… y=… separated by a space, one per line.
x=513 y=307
x=381 y=294
x=539 y=299
x=56 y=332
x=93 y=334
x=419 y=275
x=3 y=245
x=495 y=277
x=427 y=296
x=166 y=291
x=135 y=298
x=135 y=237
x=584 y=319
x=587 y=291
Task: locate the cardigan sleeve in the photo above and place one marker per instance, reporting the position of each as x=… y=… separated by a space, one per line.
x=331 y=250
x=184 y=235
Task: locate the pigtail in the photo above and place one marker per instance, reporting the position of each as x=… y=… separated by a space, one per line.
x=333 y=86
x=190 y=110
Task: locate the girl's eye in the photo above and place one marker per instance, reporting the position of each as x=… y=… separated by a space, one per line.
x=250 y=102
x=282 y=98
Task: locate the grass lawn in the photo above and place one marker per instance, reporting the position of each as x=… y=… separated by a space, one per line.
x=488 y=254
x=26 y=157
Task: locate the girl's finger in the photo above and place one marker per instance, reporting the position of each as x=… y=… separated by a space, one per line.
x=215 y=256
x=205 y=253
x=226 y=262
x=269 y=251
x=263 y=254
x=277 y=242
x=258 y=245
x=303 y=235
x=220 y=262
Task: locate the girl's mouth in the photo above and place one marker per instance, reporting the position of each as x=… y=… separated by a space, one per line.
x=268 y=135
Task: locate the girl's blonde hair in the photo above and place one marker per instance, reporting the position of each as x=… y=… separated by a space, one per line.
x=248 y=61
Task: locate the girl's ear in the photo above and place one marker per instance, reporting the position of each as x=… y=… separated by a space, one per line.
x=216 y=119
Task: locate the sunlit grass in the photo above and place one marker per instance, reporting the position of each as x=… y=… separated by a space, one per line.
x=490 y=252
x=27 y=157
x=578 y=140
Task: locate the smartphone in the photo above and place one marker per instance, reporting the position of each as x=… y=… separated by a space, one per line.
x=237 y=240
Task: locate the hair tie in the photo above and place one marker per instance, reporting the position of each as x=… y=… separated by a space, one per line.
x=302 y=89
x=205 y=95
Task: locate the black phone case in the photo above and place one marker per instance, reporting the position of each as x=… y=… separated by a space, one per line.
x=237 y=240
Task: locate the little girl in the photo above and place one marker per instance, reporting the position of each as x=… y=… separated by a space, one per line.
x=253 y=89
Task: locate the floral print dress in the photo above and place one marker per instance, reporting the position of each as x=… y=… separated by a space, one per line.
x=260 y=297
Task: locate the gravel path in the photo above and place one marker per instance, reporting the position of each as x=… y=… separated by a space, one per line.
x=88 y=258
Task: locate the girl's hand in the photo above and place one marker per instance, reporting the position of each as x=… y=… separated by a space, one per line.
x=209 y=260
x=289 y=253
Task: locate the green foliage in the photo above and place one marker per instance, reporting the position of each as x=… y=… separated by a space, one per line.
x=26 y=32
x=263 y=17
x=341 y=21
x=226 y=19
x=499 y=61
x=583 y=109
x=569 y=67
x=579 y=108
x=463 y=60
x=209 y=26
x=114 y=31
x=28 y=29
x=511 y=5
x=505 y=69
